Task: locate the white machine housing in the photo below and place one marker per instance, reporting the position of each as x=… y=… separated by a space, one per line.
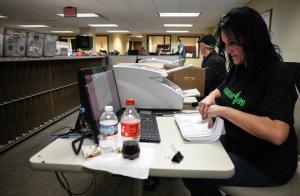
x=148 y=85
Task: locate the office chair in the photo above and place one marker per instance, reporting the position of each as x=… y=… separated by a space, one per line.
x=292 y=188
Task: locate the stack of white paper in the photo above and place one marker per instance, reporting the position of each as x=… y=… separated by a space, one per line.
x=194 y=128
x=191 y=93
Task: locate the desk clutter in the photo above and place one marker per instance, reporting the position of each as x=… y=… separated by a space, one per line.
x=116 y=164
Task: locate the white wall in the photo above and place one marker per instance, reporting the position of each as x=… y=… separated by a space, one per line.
x=101 y=43
x=285 y=25
x=118 y=42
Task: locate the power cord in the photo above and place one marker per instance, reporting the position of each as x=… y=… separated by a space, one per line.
x=67 y=134
x=65 y=185
x=70 y=129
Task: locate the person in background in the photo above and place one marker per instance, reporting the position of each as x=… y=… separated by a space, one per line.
x=143 y=51
x=181 y=51
x=159 y=50
x=256 y=101
x=214 y=64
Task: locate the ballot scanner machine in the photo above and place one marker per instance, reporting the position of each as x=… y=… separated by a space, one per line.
x=148 y=85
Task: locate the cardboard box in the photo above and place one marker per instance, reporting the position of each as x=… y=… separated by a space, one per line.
x=189 y=78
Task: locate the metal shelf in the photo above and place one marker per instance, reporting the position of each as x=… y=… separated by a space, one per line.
x=34 y=131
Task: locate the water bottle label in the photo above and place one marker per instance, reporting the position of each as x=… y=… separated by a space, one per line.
x=108 y=129
x=131 y=129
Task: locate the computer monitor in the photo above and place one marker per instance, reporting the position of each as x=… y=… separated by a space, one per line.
x=133 y=52
x=84 y=42
x=97 y=87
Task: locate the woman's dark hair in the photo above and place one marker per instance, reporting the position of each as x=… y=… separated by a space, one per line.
x=247 y=28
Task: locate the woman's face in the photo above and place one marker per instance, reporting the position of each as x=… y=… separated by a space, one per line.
x=233 y=49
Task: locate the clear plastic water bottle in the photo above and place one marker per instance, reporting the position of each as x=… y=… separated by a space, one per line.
x=108 y=127
x=130 y=130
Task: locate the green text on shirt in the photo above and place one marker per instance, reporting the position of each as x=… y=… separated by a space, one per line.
x=235 y=97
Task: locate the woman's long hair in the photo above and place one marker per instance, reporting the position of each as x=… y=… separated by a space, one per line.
x=248 y=29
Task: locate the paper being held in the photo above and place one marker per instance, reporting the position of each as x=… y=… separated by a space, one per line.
x=191 y=92
x=194 y=128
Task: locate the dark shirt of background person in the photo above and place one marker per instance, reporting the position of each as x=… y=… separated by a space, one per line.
x=214 y=64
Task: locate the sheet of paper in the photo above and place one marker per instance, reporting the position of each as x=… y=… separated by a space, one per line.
x=116 y=164
x=191 y=93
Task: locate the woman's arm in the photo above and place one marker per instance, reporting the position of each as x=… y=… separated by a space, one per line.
x=275 y=131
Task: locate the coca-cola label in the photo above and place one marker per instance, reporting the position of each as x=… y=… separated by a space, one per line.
x=130 y=129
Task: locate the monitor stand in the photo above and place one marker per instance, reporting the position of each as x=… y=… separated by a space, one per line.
x=85 y=132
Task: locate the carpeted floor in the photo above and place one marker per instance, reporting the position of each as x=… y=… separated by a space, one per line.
x=17 y=178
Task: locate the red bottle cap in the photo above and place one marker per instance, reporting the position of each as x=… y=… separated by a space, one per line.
x=130 y=102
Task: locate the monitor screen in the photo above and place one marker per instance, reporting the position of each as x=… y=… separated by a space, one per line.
x=84 y=42
x=133 y=52
x=97 y=89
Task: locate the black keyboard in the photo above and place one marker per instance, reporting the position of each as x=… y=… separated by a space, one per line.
x=149 y=128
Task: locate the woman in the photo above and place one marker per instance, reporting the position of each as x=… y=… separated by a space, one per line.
x=256 y=101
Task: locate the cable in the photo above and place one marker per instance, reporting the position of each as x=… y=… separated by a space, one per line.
x=65 y=185
x=68 y=134
x=62 y=184
x=66 y=182
x=94 y=184
x=54 y=135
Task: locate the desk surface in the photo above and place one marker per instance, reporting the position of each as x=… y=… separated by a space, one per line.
x=201 y=160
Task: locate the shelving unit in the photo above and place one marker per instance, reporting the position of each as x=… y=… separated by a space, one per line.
x=36 y=92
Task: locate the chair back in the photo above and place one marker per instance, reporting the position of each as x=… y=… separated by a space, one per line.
x=295 y=68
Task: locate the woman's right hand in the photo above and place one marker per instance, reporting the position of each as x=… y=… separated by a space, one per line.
x=204 y=105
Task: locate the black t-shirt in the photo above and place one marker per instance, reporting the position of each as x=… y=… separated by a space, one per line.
x=271 y=93
x=215 y=71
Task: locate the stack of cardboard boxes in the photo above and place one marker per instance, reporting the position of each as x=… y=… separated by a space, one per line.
x=189 y=78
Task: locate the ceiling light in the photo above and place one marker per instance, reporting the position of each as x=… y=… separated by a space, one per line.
x=139 y=36
x=175 y=31
x=3 y=16
x=118 y=31
x=62 y=31
x=178 y=25
x=33 y=26
x=83 y=15
x=179 y=14
x=103 y=25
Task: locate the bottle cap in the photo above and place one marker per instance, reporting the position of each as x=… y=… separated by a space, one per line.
x=81 y=110
x=130 y=101
x=108 y=108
